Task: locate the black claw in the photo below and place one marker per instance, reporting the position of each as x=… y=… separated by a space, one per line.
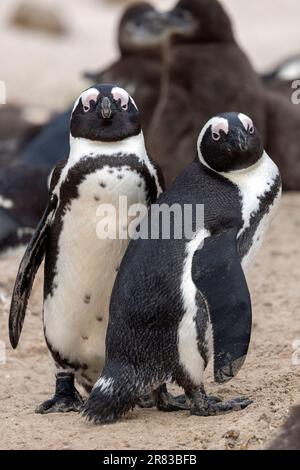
x=213 y=399
x=147 y=401
x=166 y=402
x=66 y=396
x=59 y=404
x=216 y=408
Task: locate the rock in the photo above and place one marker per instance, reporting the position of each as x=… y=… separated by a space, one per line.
x=232 y=434
x=37 y=17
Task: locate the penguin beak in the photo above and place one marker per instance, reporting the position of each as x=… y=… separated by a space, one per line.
x=242 y=138
x=106 y=108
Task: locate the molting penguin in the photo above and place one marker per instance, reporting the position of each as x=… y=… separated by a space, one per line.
x=107 y=160
x=205 y=72
x=178 y=301
x=139 y=66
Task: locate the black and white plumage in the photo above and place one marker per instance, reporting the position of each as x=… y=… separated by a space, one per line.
x=108 y=159
x=177 y=302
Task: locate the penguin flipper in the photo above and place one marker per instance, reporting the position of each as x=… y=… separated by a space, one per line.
x=218 y=275
x=29 y=265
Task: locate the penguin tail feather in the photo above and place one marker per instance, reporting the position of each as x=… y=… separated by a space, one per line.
x=116 y=392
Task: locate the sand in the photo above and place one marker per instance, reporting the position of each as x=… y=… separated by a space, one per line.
x=268 y=376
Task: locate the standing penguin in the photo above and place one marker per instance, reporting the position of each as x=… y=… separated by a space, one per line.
x=178 y=301
x=108 y=159
x=23 y=189
x=205 y=72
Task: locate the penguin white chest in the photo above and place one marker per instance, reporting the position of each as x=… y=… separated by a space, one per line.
x=76 y=311
x=260 y=193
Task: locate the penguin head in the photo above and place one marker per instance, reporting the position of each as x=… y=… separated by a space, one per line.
x=212 y=22
x=143 y=28
x=131 y=28
x=229 y=142
x=105 y=113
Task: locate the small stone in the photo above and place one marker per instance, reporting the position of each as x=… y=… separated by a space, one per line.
x=232 y=434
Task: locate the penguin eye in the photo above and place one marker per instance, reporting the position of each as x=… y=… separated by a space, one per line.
x=125 y=107
x=216 y=136
x=86 y=108
x=251 y=130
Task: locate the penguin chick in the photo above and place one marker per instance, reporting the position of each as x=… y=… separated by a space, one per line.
x=107 y=160
x=205 y=73
x=139 y=67
x=178 y=301
x=289 y=437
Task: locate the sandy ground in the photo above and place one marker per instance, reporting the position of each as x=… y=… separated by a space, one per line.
x=268 y=376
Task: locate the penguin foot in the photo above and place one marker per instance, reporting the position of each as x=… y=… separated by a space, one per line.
x=66 y=397
x=146 y=401
x=166 y=402
x=204 y=405
x=61 y=404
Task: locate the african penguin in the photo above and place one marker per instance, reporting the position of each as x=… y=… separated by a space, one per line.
x=205 y=73
x=23 y=187
x=139 y=67
x=178 y=301
x=107 y=160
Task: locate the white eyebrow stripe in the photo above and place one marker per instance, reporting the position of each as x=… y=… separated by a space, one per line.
x=245 y=120
x=120 y=94
x=86 y=92
x=89 y=95
x=219 y=124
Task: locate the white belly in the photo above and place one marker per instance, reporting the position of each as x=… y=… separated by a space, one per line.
x=188 y=350
x=76 y=314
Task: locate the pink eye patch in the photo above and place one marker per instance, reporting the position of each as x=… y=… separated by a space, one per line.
x=120 y=95
x=88 y=96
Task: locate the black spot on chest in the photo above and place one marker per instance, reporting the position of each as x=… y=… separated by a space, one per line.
x=69 y=191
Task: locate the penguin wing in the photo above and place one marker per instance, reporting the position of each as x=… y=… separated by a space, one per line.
x=218 y=274
x=29 y=265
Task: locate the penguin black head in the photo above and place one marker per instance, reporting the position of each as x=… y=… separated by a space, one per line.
x=213 y=23
x=143 y=28
x=105 y=113
x=229 y=142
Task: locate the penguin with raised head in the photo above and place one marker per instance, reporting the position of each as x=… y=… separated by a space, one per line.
x=107 y=160
x=178 y=301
